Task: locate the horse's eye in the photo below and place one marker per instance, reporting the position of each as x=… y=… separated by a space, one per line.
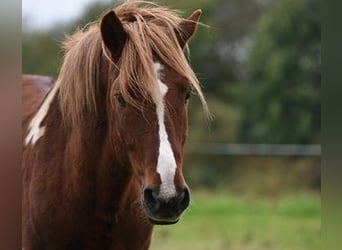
x=121 y=101
x=187 y=96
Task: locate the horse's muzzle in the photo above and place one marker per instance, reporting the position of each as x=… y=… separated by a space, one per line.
x=163 y=211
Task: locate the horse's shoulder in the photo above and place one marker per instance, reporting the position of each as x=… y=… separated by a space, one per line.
x=34 y=90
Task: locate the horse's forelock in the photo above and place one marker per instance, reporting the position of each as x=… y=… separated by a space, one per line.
x=151 y=34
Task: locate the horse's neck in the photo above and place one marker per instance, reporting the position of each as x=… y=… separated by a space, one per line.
x=91 y=168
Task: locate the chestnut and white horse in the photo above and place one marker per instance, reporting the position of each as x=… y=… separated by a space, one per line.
x=103 y=142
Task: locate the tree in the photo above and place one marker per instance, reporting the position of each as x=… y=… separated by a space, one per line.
x=281 y=101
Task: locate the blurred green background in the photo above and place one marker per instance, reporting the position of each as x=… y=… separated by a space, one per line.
x=260 y=65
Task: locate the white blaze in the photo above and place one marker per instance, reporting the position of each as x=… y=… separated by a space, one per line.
x=166 y=165
x=35 y=129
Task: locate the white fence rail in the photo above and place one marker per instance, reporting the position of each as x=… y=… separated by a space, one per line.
x=313 y=150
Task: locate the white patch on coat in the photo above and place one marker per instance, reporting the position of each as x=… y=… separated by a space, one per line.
x=166 y=164
x=36 y=131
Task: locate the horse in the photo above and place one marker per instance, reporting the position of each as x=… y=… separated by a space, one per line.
x=103 y=142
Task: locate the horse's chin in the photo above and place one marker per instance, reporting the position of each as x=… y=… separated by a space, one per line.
x=162 y=222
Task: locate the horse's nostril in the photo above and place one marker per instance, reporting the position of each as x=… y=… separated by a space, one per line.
x=184 y=199
x=151 y=200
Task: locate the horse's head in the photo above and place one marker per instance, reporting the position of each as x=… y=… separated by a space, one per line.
x=150 y=84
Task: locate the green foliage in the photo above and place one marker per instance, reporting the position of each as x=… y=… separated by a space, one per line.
x=41 y=54
x=281 y=102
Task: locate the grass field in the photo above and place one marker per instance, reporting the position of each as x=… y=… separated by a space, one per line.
x=221 y=221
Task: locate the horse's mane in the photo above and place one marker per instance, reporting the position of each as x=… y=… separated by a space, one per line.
x=150 y=29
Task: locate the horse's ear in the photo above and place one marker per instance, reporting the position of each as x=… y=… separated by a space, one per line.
x=187 y=28
x=113 y=34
